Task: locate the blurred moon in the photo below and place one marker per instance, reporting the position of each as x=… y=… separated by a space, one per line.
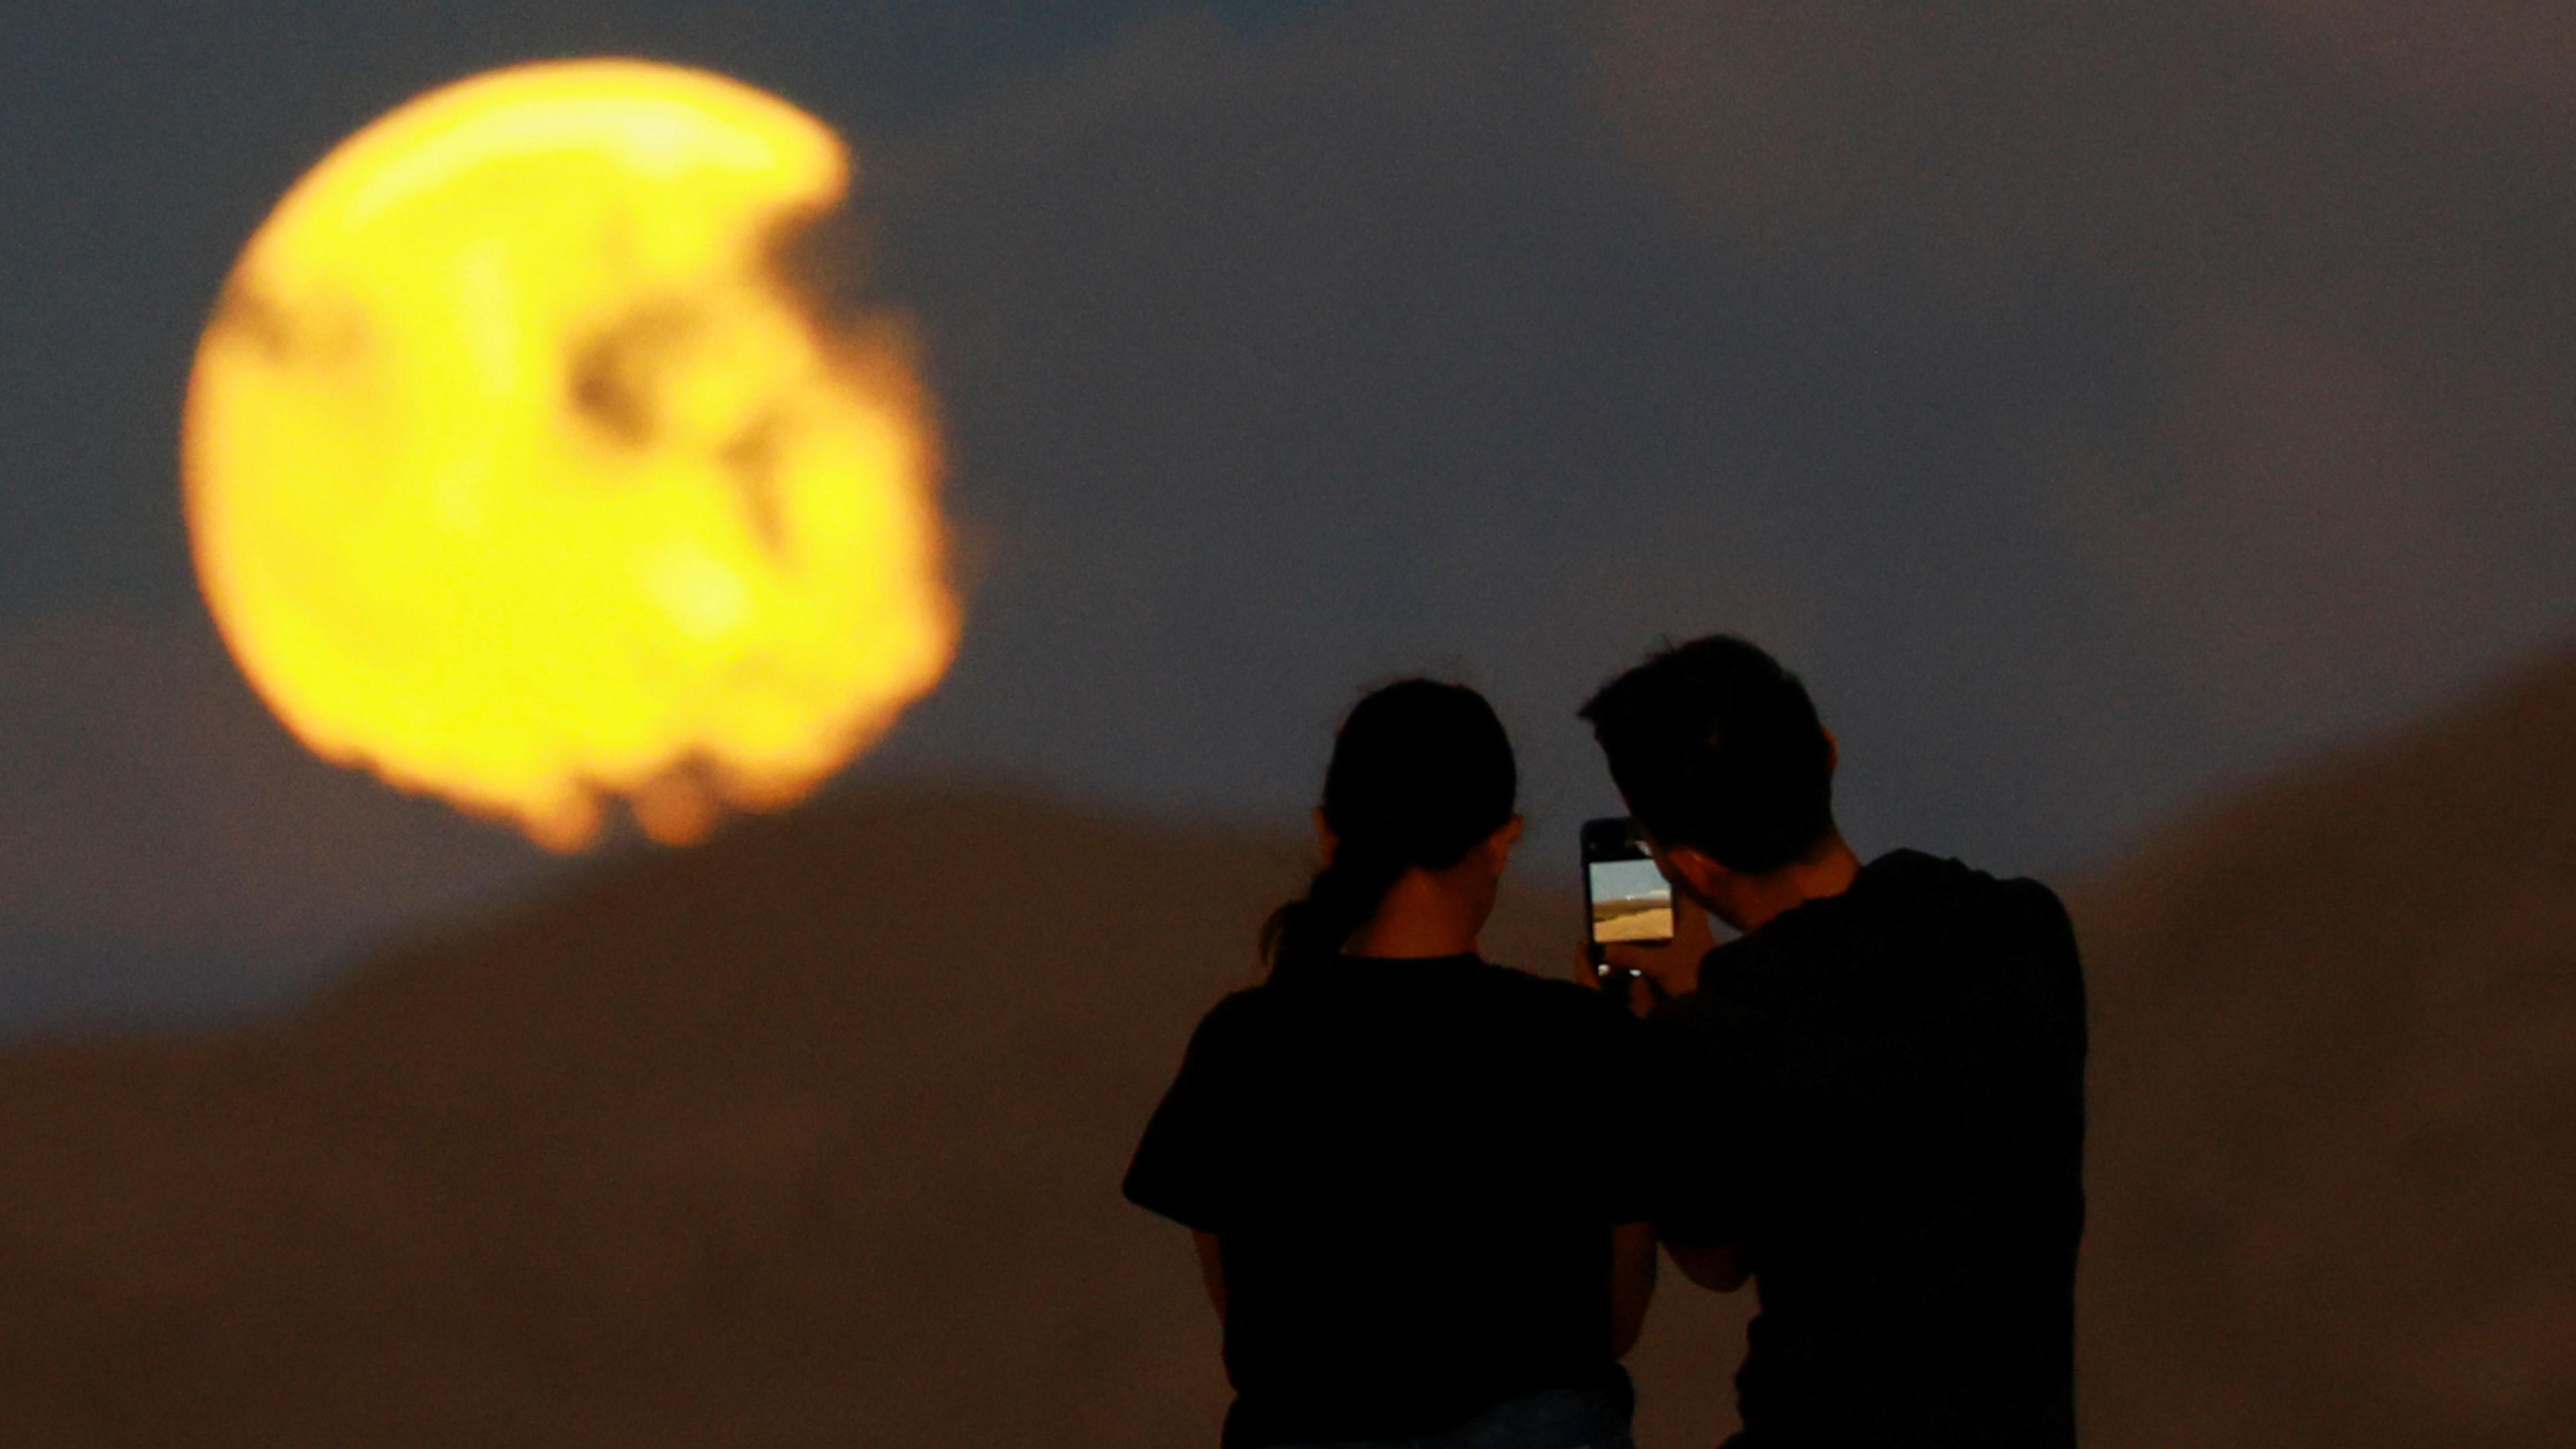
x=520 y=469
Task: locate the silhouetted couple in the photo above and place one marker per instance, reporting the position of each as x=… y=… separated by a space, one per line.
x=1426 y=1190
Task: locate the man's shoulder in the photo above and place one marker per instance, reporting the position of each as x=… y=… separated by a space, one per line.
x=2022 y=900
x=1963 y=875
x=2037 y=900
x=2025 y=908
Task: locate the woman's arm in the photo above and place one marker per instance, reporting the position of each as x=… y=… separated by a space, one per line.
x=1632 y=1283
x=1212 y=1269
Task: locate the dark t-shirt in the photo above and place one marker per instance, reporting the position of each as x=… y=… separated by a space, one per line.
x=1879 y=1099
x=1412 y=1168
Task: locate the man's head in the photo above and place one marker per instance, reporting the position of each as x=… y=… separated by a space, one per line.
x=1718 y=752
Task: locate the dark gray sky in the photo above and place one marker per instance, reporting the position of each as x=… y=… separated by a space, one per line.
x=2099 y=403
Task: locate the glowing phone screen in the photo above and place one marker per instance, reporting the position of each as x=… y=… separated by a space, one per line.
x=1630 y=901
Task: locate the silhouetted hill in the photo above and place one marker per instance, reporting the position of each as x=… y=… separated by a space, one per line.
x=777 y=1143
x=736 y=1146
x=808 y=1137
x=2334 y=1087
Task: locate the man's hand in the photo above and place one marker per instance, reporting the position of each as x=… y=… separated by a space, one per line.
x=1643 y=995
x=1674 y=965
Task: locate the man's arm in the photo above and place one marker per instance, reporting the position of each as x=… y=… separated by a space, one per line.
x=1632 y=1283
x=1719 y=1269
x=1211 y=1269
x=1689 y=1184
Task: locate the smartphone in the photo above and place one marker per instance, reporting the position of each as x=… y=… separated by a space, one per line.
x=1626 y=899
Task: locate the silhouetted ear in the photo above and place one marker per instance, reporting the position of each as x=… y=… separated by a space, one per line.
x=1497 y=848
x=1326 y=842
x=1833 y=752
x=1702 y=877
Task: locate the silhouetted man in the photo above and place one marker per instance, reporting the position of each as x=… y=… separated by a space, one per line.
x=1872 y=1103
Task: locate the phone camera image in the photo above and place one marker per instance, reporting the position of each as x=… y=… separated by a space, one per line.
x=1630 y=902
x=1625 y=896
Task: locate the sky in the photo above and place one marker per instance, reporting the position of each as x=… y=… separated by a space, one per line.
x=2099 y=405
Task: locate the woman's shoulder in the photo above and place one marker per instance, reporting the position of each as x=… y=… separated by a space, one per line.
x=1556 y=998
x=1240 y=1008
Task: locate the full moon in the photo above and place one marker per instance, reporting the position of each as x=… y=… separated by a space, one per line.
x=522 y=469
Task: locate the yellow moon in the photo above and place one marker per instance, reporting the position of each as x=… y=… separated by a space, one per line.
x=520 y=470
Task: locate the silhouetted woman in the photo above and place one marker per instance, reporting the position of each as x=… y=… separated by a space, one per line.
x=1411 y=1173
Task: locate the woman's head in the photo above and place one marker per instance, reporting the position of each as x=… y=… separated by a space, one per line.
x=1422 y=776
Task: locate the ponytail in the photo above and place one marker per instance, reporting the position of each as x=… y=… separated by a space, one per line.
x=1340 y=900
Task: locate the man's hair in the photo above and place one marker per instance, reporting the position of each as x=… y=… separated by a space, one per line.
x=1717 y=747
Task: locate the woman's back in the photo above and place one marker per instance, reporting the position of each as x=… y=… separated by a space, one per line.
x=1413 y=1166
x=1405 y=1165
